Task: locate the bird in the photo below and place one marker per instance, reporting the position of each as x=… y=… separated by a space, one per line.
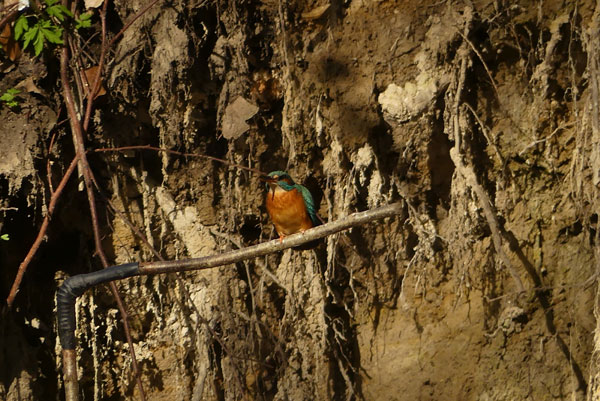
x=290 y=206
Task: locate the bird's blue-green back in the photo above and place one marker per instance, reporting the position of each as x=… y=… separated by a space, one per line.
x=309 y=203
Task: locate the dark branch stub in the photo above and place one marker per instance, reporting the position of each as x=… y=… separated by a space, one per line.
x=75 y=286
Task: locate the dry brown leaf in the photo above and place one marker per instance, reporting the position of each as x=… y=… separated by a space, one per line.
x=5 y=36
x=316 y=13
x=29 y=86
x=236 y=114
x=87 y=77
x=9 y=45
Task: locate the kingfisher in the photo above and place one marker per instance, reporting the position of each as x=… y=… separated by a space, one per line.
x=290 y=205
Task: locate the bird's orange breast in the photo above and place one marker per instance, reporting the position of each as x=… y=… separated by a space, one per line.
x=288 y=211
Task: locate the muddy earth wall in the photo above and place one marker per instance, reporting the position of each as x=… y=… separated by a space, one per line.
x=480 y=118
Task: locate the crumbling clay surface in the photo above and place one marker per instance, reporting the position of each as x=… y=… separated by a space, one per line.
x=480 y=119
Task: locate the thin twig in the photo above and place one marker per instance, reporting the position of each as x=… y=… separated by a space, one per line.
x=11 y=14
x=41 y=234
x=486 y=134
x=174 y=152
x=97 y=79
x=469 y=174
x=48 y=169
x=537 y=142
x=131 y=21
x=127 y=222
x=487 y=70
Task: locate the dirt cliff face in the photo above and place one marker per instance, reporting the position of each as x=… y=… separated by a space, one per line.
x=482 y=119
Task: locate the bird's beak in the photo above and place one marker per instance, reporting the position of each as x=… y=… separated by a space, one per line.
x=266 y=178
x=271 y=181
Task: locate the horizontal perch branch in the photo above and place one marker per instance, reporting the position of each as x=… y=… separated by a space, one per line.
x=265 y=248
x=75 y=286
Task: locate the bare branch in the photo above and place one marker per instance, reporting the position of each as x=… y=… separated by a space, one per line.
x=41 y=234
x=131 y=21
x=77 y=285
x=174 y=152
x=86 y=171
x=95 y=86
x=265 y=248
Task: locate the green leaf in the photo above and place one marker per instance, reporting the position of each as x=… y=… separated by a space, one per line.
x=21 y=26
x=38 y=44
x=30 y=35
x=9 y=97
x=59 y=11
x=67 y=11
x=83 y=24
x=54 y=11
x=53 y=35
x=48 y=26
x=4 y=237
x=84 y=21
